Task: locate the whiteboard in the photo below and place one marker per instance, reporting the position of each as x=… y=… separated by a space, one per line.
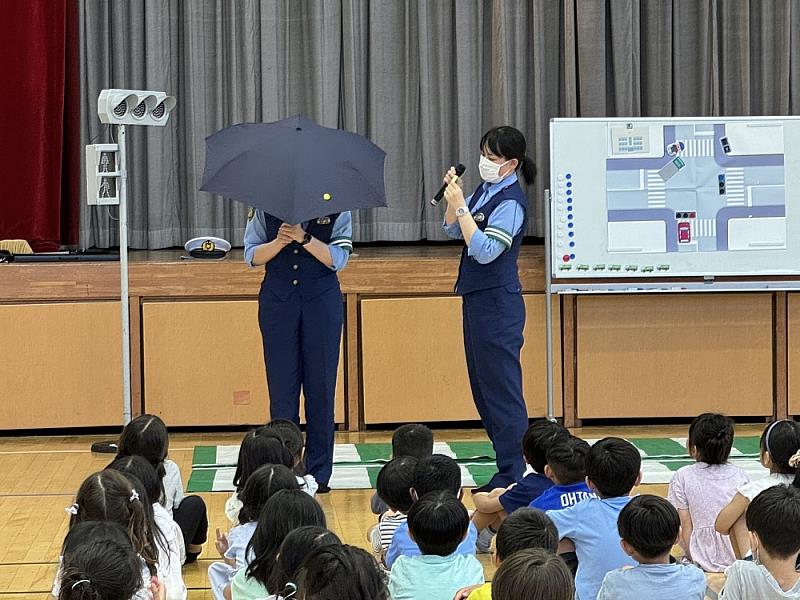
x=677 y=197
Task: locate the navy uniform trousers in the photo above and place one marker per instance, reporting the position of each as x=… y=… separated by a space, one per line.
x=302 y=337
x=493 y=323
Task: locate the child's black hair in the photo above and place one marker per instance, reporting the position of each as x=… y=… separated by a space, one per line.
x=143 y=478
x=567 y=460
x=262 y=484
x=413 y=440
x=613 y=466
x=335 y=572
x=435 y=473
x=99 y=562
x=438 y=523
x=285 y=511
x=537 y=439
x=774 y=516
x=508 y=142
x=109 y=496
x=781 y=440
x=146 y=436
x=526 y=528
x=257 y=449
x=292 y=438
x=293 y=551
x=395 y=481
x=533 y=574
x=650 y=524
x=711 y=436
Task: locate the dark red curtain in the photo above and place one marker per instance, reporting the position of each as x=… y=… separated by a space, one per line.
x=39 y=122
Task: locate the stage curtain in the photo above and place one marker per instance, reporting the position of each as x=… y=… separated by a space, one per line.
x=422 y=78
x=37 y=200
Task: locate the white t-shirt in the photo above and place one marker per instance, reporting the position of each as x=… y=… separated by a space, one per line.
x=170 y=561
x=747 y=580
x=754 y=488
x=173 y=486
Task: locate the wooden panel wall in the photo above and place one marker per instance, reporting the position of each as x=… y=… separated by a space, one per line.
x=793 y=354
x=671 y=355
x=414 y=367
x=61 y=365
x=203 y=363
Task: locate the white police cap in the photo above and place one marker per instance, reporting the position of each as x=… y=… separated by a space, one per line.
x=207 y=247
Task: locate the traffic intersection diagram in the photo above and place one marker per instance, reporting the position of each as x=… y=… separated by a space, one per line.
x=715 y=187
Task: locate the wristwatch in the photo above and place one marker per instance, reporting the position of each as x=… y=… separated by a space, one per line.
x=306 y=239
x=461 y=211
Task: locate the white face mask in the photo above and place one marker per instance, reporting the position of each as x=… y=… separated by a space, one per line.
x=490 y=171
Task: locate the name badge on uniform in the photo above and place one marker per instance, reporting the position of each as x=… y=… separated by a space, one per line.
x=324 y=221
x=479 y=217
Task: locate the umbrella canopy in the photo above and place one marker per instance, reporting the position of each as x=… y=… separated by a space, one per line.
x=295 y=169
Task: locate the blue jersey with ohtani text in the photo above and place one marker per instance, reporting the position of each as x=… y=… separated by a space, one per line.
x=563 y=496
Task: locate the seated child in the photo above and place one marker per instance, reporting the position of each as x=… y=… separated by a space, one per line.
x=394 y=484
x=295 y=548
x=773 y=519
x=341 y=572
x=492 y=507
x=296 y=445
x=412 y=440
x=433 y=474
x=649 y=526
x=438 y=523
x=533 y=574
x=524 y=529
x=612 y=471
x=262 y=485
x=255 y=451
x=99 y=562
x=779 y=442
x=701 y=490
x=566 y=468
x=147 y=436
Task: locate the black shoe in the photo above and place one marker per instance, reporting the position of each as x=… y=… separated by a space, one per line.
x=323 y=488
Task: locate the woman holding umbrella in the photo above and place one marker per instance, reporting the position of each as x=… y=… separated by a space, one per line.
x=491 y=222
x=303 y=180
x=300 y=316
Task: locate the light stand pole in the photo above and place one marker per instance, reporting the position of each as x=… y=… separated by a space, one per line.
x=123 y=278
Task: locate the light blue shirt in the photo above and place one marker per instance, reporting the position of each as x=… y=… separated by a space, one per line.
x=654 y=582
x=592 y=527
x=504 y=224
x=341 y=244
x=402 y=545
x=433 y=577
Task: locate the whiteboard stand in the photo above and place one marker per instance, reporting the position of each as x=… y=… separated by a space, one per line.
x=548 y=309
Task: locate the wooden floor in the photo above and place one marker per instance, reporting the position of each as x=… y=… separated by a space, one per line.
x=40 y=475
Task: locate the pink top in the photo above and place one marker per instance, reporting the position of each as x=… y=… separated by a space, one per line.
x=704 y=490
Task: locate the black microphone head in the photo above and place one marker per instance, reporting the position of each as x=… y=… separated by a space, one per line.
x=460 y=169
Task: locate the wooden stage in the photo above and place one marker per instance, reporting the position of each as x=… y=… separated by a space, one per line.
x=197 y=360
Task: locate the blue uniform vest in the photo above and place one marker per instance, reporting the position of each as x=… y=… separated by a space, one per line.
x=502 y=271
x=293 y=268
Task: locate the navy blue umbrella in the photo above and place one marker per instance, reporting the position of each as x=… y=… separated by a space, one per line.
x=295 y=169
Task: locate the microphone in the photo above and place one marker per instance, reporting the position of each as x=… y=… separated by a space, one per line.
x=440 y=194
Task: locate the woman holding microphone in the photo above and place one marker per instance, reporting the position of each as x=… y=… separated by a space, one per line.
x=491 y=221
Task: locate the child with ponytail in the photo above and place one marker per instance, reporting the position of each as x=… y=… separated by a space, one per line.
x=779 y=444
x=99 y=563
x=701 y=490
x=109 y=496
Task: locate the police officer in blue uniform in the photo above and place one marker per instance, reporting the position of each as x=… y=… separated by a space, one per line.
x=491 y=221
x=300 y=315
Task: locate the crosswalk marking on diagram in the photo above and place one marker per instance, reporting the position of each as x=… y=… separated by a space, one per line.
x=656 y=190
x=734 y=186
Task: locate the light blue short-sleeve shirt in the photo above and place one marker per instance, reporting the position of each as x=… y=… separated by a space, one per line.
x=654 y=582
x=403 y=545
x=592 y=527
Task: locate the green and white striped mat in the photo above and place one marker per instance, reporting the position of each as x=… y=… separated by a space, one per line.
x=356 y=466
